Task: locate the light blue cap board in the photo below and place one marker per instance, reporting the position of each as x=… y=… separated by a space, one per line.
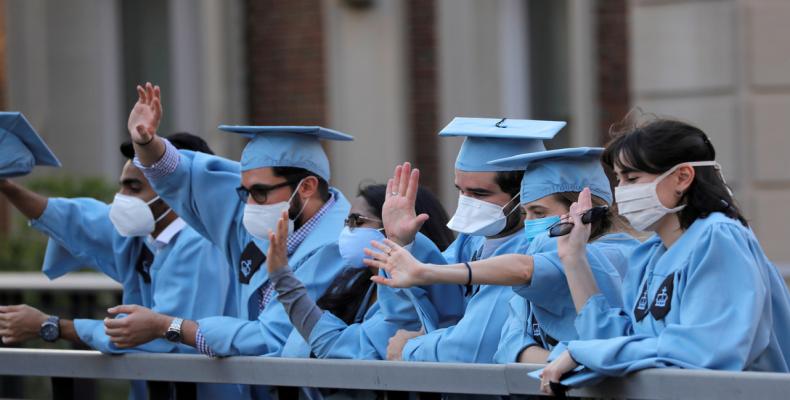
x=561 y=170
x=286 y=146
x=21 y=148
x=493 y=138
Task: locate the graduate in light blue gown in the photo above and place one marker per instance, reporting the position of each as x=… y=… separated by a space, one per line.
x=700 y=293
x=234 y=205
x=139 y=242
x=544 y=312
x=489 y=222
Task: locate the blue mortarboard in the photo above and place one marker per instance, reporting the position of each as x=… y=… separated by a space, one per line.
x=20 y=146
x=492 y=138
x=561 y=170
x=286 y=146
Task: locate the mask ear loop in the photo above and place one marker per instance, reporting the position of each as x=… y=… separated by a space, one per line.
x=518 y=195
x=164 y=214
x=303 y=205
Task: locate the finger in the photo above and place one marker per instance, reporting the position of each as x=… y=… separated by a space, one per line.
x=392 y=245
x=404 y=178
x=576 y=214
x=10 y=308
x=115 y=333
x=282 y=226
x=114 y=323
x=157 y=106
x=389 y=187
x=380 y=246
x=378 y=279
x=149 y=92
x=419 y=220
x=585 y=199
x=376 y=255
x=396 y=179
x=413 y=185
x=123 y=308
x=140 y=94
x=380 y=265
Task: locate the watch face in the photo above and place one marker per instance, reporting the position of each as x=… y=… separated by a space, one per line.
x=173 y=336
x=50 y=332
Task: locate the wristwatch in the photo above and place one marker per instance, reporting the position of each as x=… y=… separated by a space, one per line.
x=173 y=333
x=50 y=329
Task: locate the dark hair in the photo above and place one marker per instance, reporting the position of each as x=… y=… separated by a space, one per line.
x=295 y=174
x=346 y=292
x=180 y=140
x=598 y=229
x=509 y=181
x=435 y=228
x=661 y=144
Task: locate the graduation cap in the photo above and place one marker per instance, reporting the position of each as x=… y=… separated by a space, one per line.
x=487 y=139
x=286 y=146
x=21 y=147
x=561 y=170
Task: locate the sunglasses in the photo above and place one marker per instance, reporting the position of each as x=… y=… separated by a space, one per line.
x=259 y=193
x=590 y=216
x=355 y=220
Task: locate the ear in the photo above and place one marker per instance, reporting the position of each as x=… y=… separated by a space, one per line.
x=309 y=187
x=684 y=176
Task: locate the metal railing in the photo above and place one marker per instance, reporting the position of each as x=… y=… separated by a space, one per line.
x=486 y=379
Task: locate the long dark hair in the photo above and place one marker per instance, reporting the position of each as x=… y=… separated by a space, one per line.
x=346 y=293
x=661 y=144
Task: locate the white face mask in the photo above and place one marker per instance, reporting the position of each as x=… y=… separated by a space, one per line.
x=259 y=219
x=479 y=218
x=639 y=202
x=132 y=216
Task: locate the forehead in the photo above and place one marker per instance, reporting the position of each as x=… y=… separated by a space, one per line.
x=360 y=206
x=482 y=180
x=260 y=175
x=549 y=201
x=129 y=171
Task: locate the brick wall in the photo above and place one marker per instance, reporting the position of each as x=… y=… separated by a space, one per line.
x=285 y=55
x=423 y=104
x=613 y=90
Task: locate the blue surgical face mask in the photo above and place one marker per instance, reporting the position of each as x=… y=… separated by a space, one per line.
x=352 y=243
x=534 y=227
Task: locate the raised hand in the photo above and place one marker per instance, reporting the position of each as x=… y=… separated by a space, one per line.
x=401 y=222
x=404 y=270
x=574 y=244
x=277 y=257
x=146 y=114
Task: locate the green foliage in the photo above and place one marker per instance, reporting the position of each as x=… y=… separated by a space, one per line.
x=23 y=249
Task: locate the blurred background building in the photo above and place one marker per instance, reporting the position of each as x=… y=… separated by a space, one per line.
x=393 y=72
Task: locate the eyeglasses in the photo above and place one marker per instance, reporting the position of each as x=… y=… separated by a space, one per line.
x=259 y=193
x=355 y=220
x=592 y=215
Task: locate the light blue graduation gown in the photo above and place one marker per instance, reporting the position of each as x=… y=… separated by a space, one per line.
x=367 y=339
x=726 y=307
x=544 y=308
x=82 y=235
x=202 y=190
x=474 y=338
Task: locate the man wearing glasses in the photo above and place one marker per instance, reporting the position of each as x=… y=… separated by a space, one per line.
x=281 y=168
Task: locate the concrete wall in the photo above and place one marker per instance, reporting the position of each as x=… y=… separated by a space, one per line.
x=725 y=66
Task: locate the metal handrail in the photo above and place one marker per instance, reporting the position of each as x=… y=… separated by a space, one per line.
x=491 y=379
x=72 y=282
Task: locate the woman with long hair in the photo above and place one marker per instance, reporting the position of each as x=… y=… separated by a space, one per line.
x=699 y=293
